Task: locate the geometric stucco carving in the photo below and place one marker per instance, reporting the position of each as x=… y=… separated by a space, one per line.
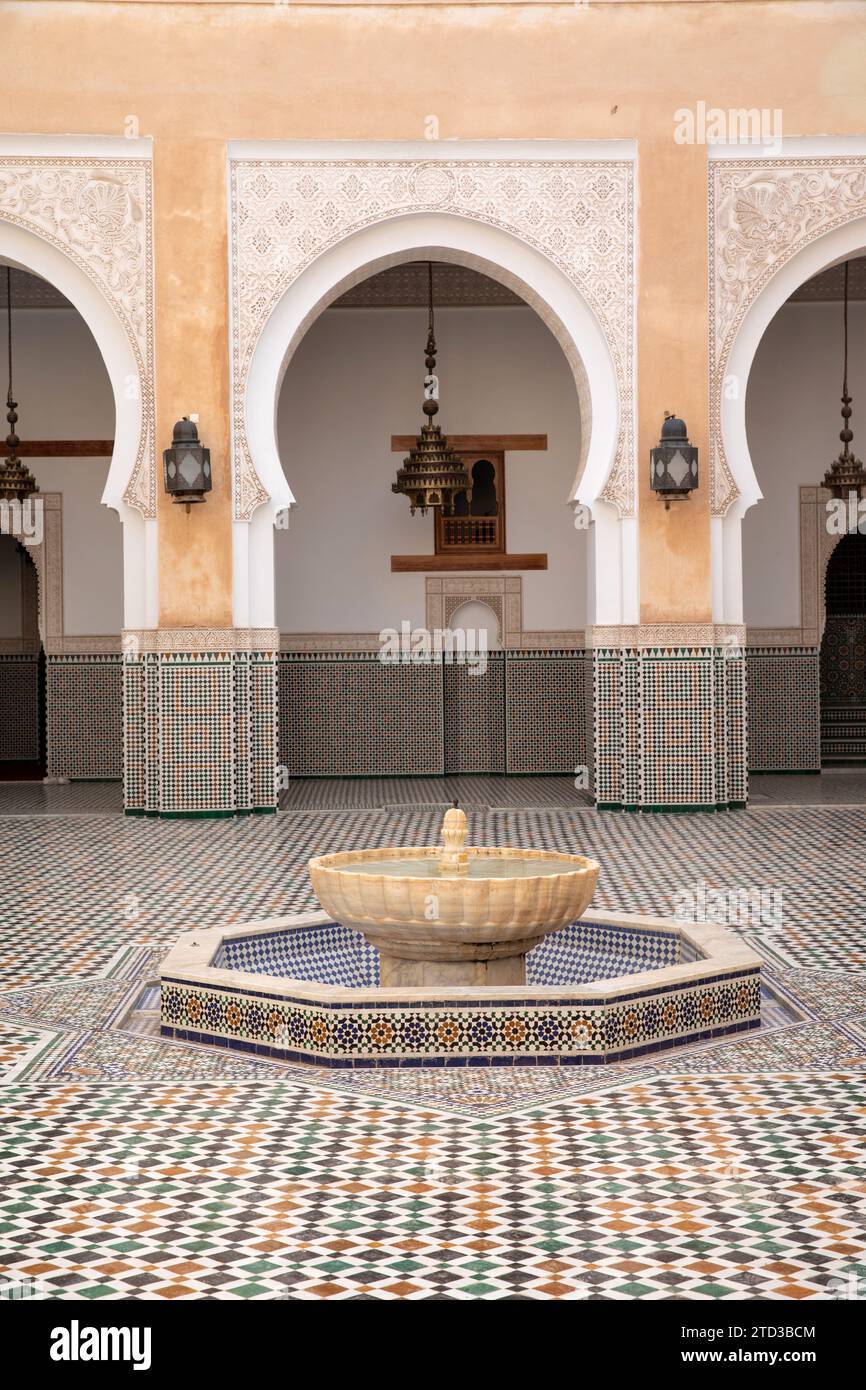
x=577 y=212
x=762 y=212
x=98 y=212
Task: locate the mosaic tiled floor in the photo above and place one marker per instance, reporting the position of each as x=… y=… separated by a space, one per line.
x=834 y=786
x=135 y=1166
x=839 y=786
x=73 y=799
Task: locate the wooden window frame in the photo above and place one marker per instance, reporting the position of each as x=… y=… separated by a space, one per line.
x=442 y=546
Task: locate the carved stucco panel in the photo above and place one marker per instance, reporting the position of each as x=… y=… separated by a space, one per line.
x=762 y=213
x=99 y=213
x=285 y=213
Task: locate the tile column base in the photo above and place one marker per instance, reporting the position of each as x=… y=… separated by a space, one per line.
x=200 y=721
x=670 y=717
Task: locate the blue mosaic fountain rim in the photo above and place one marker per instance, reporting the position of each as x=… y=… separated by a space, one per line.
x=330 y=953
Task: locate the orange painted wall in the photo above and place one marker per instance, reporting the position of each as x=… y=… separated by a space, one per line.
x=192 y=374
x=197 y=75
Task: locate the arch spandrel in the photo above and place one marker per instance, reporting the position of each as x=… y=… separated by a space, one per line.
x=575 y=215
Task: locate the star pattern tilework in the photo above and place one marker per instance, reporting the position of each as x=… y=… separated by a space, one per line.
x=694 y=1187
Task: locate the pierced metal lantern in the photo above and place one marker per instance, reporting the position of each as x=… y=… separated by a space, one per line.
x=432 y=475
x=187 y=464
x=673 y=462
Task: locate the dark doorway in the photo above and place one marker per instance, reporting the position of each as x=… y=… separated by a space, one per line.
x=843 y=655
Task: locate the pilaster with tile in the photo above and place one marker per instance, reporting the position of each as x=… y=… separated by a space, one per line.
x=200 y=721
x=670 y=717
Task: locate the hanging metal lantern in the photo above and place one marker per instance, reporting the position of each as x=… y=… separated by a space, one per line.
x=187 y=464
x=432 y=475
x=846 y=474
x=673 y=462
x=16 y=480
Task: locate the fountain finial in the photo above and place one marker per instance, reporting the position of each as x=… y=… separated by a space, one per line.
x=454 y=858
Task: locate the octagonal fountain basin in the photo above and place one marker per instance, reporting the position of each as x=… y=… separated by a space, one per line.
x=605 y=988
x=453 y=915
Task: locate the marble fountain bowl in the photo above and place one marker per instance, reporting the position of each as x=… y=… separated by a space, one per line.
x=435 y=923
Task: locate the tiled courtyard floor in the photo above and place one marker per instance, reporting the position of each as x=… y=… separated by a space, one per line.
x=131 y=1166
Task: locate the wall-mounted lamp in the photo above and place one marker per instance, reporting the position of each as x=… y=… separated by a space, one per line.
x=187 y=465
x=673 y=462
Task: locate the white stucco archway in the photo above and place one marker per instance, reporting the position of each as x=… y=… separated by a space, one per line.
x=542 y=285
x=105 y=238
x=552 y=218
x=840 y=245
x=773 y=225
x=24 y=251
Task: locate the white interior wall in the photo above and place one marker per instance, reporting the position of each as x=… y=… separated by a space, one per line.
x=355 y=380
x=793 y=424
x=10 y=588
x=63 y=392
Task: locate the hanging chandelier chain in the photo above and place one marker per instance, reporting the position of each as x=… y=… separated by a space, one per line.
x=845 y=336
x=846 y=475
x=846 y=434
x=431 y=326
x=9 y=326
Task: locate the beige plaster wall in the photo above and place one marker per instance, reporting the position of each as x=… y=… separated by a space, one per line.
x=195 y=75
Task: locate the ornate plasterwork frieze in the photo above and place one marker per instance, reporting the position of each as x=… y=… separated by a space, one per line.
x=762 y=213
x=87 y=644
x=784 y=637
x=187 y=641
x=338 y=642
x=98 y=212
x=578 y=213
x=668 y=635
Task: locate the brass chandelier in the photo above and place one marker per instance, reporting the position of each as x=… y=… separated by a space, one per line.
x=433 y=475
x=16 y=480
x=846 y=474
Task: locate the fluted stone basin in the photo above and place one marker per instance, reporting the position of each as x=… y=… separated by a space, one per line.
x=453 y=915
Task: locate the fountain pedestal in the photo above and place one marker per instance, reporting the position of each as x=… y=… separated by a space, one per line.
x=457 y=963
x=395 y=973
